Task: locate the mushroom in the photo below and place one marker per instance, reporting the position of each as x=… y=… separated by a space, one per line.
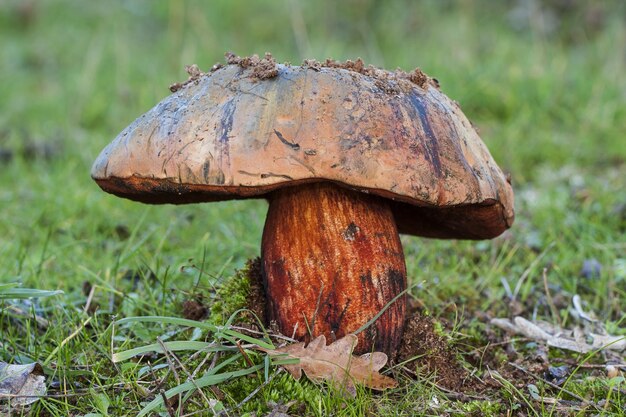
x=347 y=156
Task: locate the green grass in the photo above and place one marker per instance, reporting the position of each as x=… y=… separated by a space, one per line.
x=548 y=98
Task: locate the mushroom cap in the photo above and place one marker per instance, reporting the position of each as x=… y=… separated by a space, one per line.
x=231 y=135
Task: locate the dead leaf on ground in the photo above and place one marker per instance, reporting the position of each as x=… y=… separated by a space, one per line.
x=575 y=340
x=336 y=364
x=20 y=385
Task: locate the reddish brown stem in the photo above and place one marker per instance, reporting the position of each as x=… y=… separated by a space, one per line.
x=332 y=259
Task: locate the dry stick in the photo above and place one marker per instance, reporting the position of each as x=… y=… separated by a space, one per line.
x=82 y=392
x=244 y=354
x=214 y=360
x=276 y=335
x=592 y=365
x=206 y=358
x=173 y=369
x=496 y=344
x=511 y=388
x=555 y=386
x=166 y=352
x=201 y=365
x=113 y=323
x=553 y=310
x=168 y=406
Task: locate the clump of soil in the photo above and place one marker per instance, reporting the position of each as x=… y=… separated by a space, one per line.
x=256 y=297
x=262 y=68
x=194 y=309
x=417 y=76
x=391 y=82
x=431 y=353
x=195 y=74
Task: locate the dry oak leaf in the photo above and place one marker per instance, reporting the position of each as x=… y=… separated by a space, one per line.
x=20 y=385
x=336 y=364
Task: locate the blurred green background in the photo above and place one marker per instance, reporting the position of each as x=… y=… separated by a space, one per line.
x=544 y=81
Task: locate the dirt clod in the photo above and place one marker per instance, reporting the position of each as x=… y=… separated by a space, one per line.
x=262 y=68
x=194 y=74
x=388 y=81
x=193 y=309
x=430 y=353
x=391 y=82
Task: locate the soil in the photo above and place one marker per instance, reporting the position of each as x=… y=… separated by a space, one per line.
x=392 y=82
x=262 y=68
x=256 y=297
x=430 y=353
x=194 y=309
x=417 y=76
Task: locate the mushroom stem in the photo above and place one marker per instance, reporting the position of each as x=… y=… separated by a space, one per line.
x=332 y=259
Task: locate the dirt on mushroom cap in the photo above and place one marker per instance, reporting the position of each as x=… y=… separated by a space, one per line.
x=264 y=68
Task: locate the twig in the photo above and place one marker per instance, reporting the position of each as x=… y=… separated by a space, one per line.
x=168 y=406
x=214 y=361
x=201 y=365
x=244 y=354
x=592 y=365
x=511 y=388
x=171 y=366
x=167 y=353
x=275 y=335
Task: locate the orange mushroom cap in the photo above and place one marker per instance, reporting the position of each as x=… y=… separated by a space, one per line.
x=231 y=134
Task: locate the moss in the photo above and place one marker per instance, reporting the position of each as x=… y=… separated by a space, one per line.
x=230 y=297
x=282 y=389
x=481 y=408
x=241 y=291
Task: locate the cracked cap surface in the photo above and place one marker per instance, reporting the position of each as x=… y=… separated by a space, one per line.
x=230 y=135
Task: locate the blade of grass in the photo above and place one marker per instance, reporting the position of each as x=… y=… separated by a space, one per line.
x=174 y=346
x=170 y=320
x=13 y=293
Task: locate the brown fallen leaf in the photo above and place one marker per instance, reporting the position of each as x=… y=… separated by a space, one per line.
x=20 y=385
x=575 y=340
x=336 y=364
